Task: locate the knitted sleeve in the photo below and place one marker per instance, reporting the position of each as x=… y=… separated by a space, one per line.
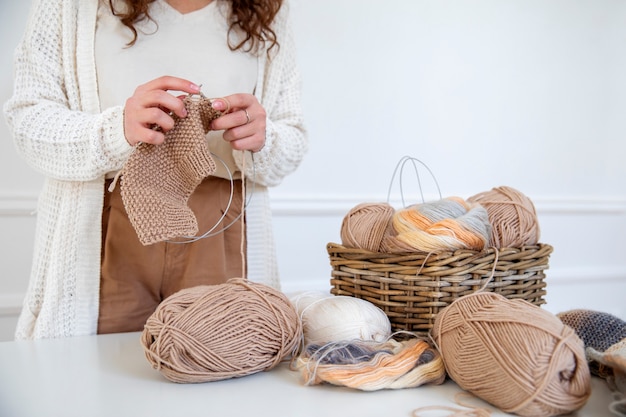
x=55 y=120
x=286 y=137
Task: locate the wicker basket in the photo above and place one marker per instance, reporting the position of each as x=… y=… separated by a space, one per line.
x=412 y=288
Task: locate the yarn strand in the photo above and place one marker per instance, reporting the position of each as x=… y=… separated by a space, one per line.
x=474 y=412
x=469 y=411
x=242 y=249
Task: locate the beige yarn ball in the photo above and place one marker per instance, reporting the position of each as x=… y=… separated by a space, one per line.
x=513 y=354
x=213 y=332
x=512 y=216
x=365 y=226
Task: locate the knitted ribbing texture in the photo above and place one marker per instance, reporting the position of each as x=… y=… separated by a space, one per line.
x=157 y=180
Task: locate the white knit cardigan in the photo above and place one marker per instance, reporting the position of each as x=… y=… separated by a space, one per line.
x=60 y=130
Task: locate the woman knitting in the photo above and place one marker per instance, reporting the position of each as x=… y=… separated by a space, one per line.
x=96 y=79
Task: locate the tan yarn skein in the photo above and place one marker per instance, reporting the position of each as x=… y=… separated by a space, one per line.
x=513 y=354
x=157 y=180
x=214 y=332
x=365 y=226
x=512 y=215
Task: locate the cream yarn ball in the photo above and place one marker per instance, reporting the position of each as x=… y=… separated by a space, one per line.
x=327 y=318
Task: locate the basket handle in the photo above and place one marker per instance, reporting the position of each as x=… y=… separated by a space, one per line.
x=400 y=166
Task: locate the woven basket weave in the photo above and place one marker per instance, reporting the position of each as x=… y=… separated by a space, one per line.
x=412 y=288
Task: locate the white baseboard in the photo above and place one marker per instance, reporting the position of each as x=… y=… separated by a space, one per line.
x=24 y=204
x=17 y=204
x=10 y=304
x=333 y=205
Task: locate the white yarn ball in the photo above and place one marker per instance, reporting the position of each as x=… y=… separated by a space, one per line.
x=303 y=299
x=326 y=318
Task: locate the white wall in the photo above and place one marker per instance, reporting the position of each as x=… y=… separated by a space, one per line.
x=525 y=93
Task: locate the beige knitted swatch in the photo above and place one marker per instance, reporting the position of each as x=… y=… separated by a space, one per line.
x=157 y=180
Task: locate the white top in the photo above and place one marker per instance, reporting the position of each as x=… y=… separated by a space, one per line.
x=168 y=45
x=108 y=375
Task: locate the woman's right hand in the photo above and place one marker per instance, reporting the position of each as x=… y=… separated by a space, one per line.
x=151 y=105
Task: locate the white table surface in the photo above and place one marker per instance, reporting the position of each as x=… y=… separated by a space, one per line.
x=108 y=375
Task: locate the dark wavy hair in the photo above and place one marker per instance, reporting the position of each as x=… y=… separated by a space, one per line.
x=253 y=17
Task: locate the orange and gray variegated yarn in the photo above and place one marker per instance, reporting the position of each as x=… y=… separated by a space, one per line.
x=157 y=180
x=371 y=366
x=447 y=224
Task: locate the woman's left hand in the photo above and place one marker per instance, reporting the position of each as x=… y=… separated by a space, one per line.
x=243 y=121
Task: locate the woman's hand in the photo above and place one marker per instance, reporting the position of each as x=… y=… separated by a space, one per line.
x=243 y=121
x=151 y=105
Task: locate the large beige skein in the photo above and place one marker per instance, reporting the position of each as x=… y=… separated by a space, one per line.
x=213 y=332
x=514 y=355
